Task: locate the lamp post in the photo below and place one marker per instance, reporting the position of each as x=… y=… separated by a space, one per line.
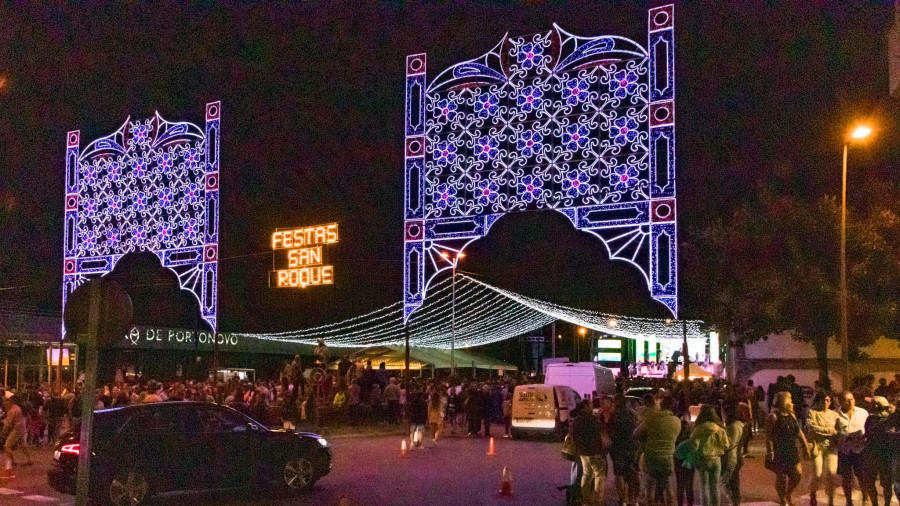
x=454 y=262
x=859 y=133
x=582 y=331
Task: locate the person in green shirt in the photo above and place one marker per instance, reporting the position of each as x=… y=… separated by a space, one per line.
x=657 y=434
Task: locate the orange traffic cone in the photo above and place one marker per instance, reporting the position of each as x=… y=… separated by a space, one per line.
x=403 y=453
x=506 y=483
x=491 y=448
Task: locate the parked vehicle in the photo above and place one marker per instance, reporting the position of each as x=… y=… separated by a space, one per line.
x=145 y=450
x=586 y=378
x=542 y=409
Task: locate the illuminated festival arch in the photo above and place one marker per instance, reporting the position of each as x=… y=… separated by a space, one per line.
x=581 y=125
x=151 y=185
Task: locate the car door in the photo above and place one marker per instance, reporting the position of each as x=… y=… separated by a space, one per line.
x=231 y=443
x=148 y=441
x=195 y=465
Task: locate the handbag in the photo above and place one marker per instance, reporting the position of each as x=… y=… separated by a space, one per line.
x=568 y=449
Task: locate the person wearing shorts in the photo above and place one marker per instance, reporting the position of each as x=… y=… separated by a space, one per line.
x=14 y=434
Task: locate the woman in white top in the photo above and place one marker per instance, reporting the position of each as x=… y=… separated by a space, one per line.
x=822 y=431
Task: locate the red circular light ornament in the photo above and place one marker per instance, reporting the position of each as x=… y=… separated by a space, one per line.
x=661 y=18
x=661 y=114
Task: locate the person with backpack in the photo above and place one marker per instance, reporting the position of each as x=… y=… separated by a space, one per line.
x=710 y=442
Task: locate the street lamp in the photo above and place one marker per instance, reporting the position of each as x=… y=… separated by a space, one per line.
x=582 y=331
x=859 y=133
x=453 y=262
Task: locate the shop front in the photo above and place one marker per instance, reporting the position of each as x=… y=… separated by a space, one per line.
x=163 y=353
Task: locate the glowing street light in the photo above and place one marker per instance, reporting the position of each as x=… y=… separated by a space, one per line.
x=859 y=133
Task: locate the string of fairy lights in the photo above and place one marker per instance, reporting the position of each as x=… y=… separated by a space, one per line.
x=484 y=314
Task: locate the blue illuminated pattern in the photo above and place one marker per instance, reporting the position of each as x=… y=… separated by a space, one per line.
x=151 y=185
x=581 y=125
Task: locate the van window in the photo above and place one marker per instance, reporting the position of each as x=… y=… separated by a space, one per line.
x=532 y=396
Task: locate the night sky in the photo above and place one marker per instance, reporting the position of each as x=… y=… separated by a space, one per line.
x=312 y=132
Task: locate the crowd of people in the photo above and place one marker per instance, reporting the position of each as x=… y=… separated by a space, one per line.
x=687 y=429
x=655 y=448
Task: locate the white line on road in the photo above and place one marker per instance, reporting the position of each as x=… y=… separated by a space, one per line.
x=40 y=498
x=9 y=491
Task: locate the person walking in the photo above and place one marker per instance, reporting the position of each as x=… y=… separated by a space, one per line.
x=437 y=406
x=623 y=452
x=852 y=428
x=783 y=435
x=474 y=407
x=822 y=430
x=418 y=417
x=878 y=454
x=392 y=399
x=13 y=436
x=586 y=434
x=733 y=460
x=684 y=472
x=657 y=433
x=711 y=442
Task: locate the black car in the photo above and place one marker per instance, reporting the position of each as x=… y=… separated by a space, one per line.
x=148 y=449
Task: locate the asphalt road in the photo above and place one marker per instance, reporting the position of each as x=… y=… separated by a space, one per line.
x=369 y=471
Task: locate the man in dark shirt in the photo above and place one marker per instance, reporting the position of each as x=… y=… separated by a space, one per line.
x=586 y=434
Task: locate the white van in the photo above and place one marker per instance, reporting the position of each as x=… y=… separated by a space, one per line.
x=542 y=409
x=583 y=377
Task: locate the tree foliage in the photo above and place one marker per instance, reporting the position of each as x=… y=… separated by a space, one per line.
x=773 y=265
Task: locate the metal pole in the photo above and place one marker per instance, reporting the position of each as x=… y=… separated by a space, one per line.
x=59 y=366
x=453 y=325
x=553 y=339
x=406 y=337
x=845 y=345
x=82 y=479
x=687 y=358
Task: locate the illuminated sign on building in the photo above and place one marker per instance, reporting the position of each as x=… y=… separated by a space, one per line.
x=305 y=264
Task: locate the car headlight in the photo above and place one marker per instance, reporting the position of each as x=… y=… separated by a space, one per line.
x=323 y=442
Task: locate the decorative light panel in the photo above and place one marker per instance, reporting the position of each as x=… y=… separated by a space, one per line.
x=580 y=125
x=152 y=185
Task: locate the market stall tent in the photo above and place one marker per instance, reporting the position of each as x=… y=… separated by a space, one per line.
x=394 y=358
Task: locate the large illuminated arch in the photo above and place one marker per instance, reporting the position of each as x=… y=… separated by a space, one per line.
x=581 y=125
x=152 y=185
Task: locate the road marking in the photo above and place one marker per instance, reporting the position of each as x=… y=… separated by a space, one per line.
x=9 y=491
x=40 y=498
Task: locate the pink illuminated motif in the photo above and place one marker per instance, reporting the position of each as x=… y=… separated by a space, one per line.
x=581 y=125
x=152 y=185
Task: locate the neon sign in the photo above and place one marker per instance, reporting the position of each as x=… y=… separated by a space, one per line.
x=305 y=264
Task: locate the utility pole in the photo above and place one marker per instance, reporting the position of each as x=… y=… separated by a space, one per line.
x=553 y=339
x=684 y=350
x=406 y=338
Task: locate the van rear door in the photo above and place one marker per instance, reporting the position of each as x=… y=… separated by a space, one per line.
x=533 y=407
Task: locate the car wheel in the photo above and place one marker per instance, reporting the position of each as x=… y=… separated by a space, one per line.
x=298 y=474
x=129 y=488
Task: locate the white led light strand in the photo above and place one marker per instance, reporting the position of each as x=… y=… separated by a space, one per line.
x=484 y=314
